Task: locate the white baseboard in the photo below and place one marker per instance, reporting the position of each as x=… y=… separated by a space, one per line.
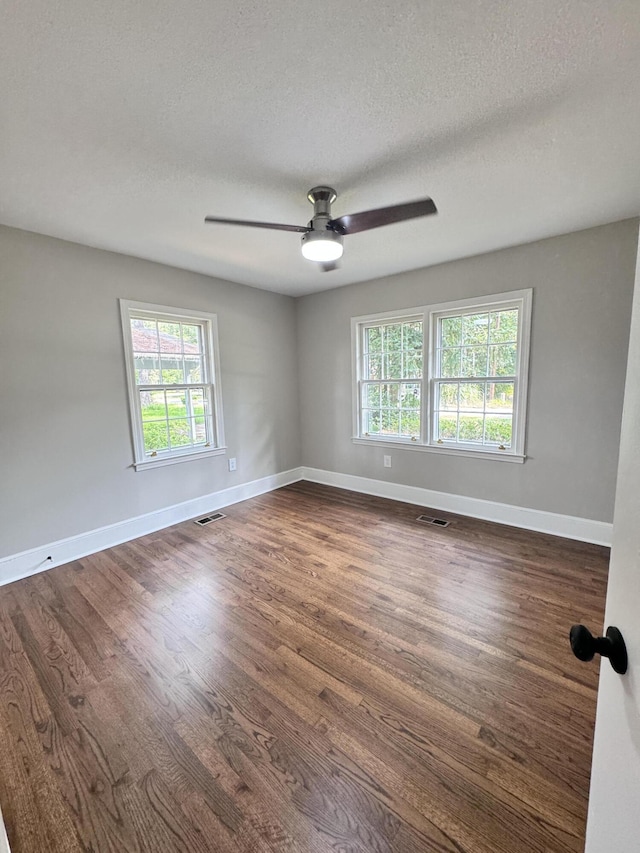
x=4 y=841
x=36 y=560
x=569 y=526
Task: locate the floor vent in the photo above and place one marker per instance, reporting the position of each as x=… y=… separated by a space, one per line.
x=428 y=519
x=207 y=519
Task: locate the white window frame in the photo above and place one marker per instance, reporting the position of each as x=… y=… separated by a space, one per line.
x=143 y=461
x=362 y=330
x=430 y=314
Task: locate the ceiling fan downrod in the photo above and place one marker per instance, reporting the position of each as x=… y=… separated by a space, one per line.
x=322 y=198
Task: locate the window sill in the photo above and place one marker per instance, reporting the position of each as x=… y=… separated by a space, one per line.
x=160 y=461
x=495 y=456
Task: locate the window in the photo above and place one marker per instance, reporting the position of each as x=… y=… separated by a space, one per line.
x=392 y=378
x=448 y=378
x=174 y=387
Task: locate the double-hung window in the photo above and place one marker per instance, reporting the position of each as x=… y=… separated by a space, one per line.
x=450 y=377
x=391 y=383
x=174 y=385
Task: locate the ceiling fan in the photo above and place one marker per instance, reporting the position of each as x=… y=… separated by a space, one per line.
x=322 y=237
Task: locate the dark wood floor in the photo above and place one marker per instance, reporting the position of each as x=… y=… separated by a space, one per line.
x=316 y=672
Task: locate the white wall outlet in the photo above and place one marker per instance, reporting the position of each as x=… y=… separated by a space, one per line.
x=232 y=464
x=387 y=461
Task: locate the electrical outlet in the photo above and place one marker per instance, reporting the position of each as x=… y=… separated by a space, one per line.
x=232 y=464
x=387 y=461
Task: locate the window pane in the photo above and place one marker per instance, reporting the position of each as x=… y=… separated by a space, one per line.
x=193 y=369
x=371 y=422
x=373 y=339
x=412 y=336
x=475 y=329
x=499 y=396
x=449 y=396
x=412 y=365
x=179 y=432
x=199 y=430
x=470 y=428
x=170 y=339
x=392 y=365
x=153 y=405
x=451 y=332
x=172 y=370
x=196 y=398
x=503 y=326
x=371 y=396
x=472 y=396
x=192 y=338
x=474 y=361
x=392 y=337
x=390 y=422
x=389 y=395
x=156 y=436
x=446 y=426
x=177 y=404
x=410 y=395
x=410 y=422
x=502 y=360
x=373 y=367
x=147 y=367
x=450 y=362
x=498 y=429
x=144 y=335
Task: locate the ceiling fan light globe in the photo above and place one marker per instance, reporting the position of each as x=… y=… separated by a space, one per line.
x=322 y=246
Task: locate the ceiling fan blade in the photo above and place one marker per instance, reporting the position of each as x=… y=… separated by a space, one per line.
x=302 y=229
x=355 y=222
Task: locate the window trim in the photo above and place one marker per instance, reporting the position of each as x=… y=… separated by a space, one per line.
x=128 y=310
x=362 y=327
x=430 y=314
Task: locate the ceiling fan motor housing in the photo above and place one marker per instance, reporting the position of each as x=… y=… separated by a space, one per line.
x=321 y=243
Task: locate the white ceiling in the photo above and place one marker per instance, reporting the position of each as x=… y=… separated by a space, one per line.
x=125 y=123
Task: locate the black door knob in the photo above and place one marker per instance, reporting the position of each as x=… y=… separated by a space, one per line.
x=584 y=646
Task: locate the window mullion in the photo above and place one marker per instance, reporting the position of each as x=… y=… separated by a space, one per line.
x=430 y=345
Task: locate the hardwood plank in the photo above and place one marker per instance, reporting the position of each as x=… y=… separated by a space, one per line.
x=316 y=672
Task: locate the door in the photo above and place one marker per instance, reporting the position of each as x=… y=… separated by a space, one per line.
x=613 y=824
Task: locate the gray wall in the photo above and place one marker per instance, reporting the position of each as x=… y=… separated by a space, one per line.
x=65 y=441
x=583 y=285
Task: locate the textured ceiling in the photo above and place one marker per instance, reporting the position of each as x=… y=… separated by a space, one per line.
x=125 y=123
